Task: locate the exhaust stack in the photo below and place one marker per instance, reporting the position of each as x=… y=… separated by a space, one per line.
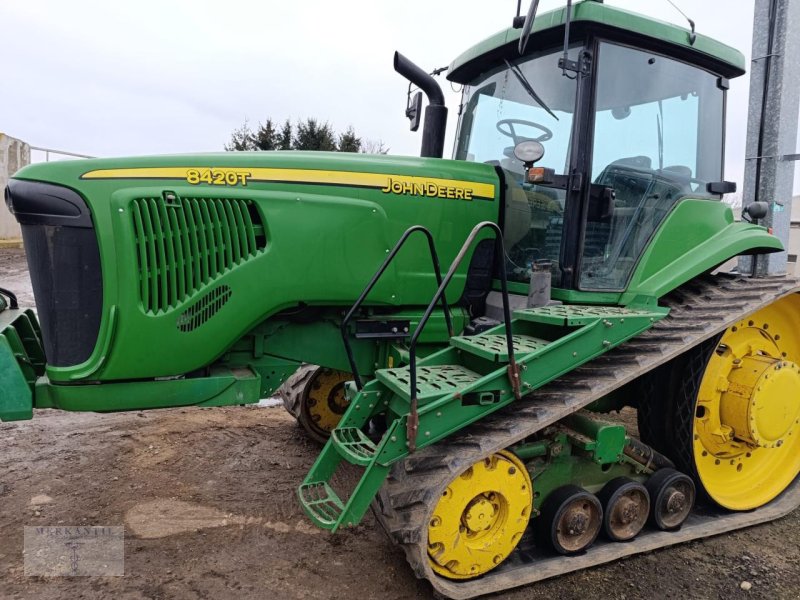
x=435 y=114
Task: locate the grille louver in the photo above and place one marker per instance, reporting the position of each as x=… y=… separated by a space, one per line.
x=205 y=308
x=185 y=243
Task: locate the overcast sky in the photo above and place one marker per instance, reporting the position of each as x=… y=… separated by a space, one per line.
x=163 y=76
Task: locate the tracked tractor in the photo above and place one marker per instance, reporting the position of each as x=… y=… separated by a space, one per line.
x=480 y=319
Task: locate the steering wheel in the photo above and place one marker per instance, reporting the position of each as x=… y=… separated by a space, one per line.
x=507 y=128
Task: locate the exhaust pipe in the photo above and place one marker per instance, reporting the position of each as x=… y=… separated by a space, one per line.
x=436 y=112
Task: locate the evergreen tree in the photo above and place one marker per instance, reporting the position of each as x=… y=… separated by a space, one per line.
x=308 y=134
x=285 y=137
x=348 y=142
x=266 y=137
x=312 y=135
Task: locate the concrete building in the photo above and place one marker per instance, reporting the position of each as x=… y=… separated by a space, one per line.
x=794 y=234
x=14 y=154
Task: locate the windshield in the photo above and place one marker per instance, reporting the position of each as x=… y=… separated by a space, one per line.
x=499 y=111
x=658 y=137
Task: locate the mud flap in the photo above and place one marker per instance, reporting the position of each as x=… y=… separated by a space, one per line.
x=21 y=362
x=16 y=398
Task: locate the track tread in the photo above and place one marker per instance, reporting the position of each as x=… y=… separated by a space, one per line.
x=700 y=310
x=291 y=392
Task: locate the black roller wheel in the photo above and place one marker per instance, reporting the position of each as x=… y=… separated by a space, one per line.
x=570 y=521
x=626 y=507
x=672 y=496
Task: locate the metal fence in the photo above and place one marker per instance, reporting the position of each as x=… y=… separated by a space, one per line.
x=49 y=151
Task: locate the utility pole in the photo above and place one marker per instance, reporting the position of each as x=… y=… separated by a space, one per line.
x=772 y=124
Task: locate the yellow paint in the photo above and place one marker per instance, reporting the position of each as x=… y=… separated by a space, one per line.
x=747 y=420
x=480 y=517
x=325 y=401
x=386 y=182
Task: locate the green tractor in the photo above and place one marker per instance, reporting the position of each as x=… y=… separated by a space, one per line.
x=473 y=318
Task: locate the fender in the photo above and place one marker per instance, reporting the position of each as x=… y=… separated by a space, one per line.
x=697 y=236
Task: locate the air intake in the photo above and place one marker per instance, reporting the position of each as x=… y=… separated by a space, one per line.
x=183 y=244
x=205 y=308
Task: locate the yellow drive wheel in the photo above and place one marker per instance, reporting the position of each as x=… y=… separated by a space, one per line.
x=318 y=396
x=742 y=412
x=480 y=517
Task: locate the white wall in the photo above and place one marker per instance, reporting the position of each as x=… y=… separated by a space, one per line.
x=14 y=154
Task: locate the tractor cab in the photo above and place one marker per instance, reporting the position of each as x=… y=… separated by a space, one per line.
x=599 y=128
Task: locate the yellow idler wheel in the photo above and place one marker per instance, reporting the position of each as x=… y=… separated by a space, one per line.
x=746 y=418
x=480 y=517
x=323 y=402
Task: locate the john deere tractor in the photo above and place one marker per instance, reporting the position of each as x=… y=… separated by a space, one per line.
x=477 y=319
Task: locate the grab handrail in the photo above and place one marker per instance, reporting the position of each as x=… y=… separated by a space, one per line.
x=513 y=371
x=437 y=271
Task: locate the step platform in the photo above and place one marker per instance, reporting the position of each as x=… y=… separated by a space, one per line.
x=353 y=445
x=494 y=346
x=432 y=381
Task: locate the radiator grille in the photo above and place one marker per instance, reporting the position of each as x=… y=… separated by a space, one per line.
x=182 y=244
x=205 y=308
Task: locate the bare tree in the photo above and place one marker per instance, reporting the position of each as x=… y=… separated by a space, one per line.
x=373 y=147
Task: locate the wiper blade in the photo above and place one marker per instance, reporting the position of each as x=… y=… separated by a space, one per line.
x=529 y=88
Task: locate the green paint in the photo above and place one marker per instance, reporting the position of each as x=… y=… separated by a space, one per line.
x=21 y=362
x=468 y=381
x=323 y=243
x=222 y=387
x=607 y=439
x=696 y=236
x=568 y=460
x=16 y=397
x=732 y=62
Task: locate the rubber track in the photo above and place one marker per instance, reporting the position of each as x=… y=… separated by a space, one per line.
x=700 y=310
x=291 y=392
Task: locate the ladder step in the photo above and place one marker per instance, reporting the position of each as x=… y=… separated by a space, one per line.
x=495 y=347
x=432 y=382
x=321 y=504
x=575 y=316
x=353 y=445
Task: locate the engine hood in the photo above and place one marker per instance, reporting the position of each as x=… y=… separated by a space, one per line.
x=428 y=177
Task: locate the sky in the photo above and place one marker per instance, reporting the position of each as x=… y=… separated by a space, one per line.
x=167 y=76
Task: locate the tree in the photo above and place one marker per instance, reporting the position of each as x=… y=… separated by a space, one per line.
x=374 y=147
x=349 y=142
x=307 y=134
x=241 y=139
x=266 y=137
x=285 y=138
x=312 y=135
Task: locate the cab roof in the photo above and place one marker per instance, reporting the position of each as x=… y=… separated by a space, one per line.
x=608 y=20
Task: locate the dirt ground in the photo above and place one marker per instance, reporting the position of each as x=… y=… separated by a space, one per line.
x=206 y=497
x=14 y=275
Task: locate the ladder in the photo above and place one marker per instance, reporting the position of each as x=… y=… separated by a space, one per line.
x=472 y=377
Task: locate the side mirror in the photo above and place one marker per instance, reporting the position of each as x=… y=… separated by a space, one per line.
x=414 y=110
x=602 y=201
x=721 y=187
x=757 y=210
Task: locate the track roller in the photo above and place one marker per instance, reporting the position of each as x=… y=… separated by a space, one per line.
x=672 y=496
x=626 y=507
x=571 y=519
